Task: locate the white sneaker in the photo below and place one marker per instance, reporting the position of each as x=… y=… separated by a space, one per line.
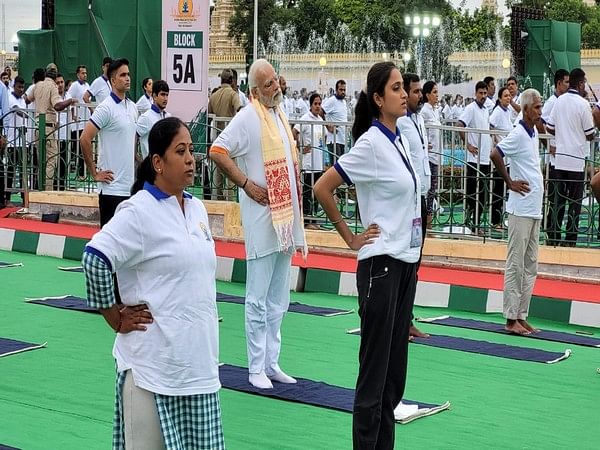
x=282 y=377
x=260 y=381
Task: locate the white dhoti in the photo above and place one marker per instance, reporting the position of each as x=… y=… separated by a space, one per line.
x=267 y=300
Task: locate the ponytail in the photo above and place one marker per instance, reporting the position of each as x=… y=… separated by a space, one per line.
x=145 y=173
x=362 y=116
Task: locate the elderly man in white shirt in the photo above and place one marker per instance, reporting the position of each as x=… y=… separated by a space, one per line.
x=524 y=207
x=266 y=171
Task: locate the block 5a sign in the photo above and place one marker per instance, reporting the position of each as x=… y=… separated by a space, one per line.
x=185 y=60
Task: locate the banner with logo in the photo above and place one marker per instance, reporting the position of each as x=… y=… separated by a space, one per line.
x=184 y=66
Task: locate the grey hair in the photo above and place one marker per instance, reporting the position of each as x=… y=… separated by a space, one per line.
x=256 y=67
x=528 y=97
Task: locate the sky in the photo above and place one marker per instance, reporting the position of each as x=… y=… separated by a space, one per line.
x=26 y=15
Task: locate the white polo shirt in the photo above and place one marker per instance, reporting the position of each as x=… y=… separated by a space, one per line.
x=431 y=116
x=311 y=136
x=14 y=122
x=241 y=139
x=166 y=259
x=336 y=111
x=571 y=119
x=63 y=122
x=546 y=111
x=477 y=116
x=489 y=104
x=145 y=123
x=81 y=113
x=413 y=129
x=144 y=103
x=100 y=89
x=500 y=119
x=116 y=120
x=521 y=147
x=513 y=111
x=385 y=189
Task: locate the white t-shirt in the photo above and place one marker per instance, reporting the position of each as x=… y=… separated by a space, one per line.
x=116 y=120
x=14 y=122
x=521 y=147
x=513 y=111
x=311 y=136
x=287 y=106
x=145 y=123
x=241 y=139
x=63 y=125
x=243 y=98
x=166 y=259
x=457 y=111
x=489 y=104
x=546 y=111
x=476 y=116
x=500 y=119
x=301 y=106
x=413 y=129
x=571 y=119
x=81 y=113
x=144 y=103
x=386 y=192
x=431 y=116
x=336 y=111
x=31 y=127
x=100 y=89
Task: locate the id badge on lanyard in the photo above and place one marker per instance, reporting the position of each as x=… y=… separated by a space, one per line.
x=416 y=235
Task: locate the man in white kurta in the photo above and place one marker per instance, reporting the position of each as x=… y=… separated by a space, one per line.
x=268 y=264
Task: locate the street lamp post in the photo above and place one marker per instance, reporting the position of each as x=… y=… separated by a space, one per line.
x=421 y=26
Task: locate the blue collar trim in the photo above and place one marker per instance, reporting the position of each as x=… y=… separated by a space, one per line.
x=481 y=105
x=80 y=82
x=160 y=195
x=573 y=91
x=530 y=131
x=155 y=108
x=147 y=96
x=15 y=96
x=391 y=136
x=115 y=98
x=104 y=78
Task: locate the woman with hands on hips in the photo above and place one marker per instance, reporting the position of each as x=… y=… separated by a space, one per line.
x=388 y=195
x=166 y=346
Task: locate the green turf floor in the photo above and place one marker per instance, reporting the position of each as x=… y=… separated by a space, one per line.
x=61 y=397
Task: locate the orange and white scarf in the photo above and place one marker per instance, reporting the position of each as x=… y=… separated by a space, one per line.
x=278 y=177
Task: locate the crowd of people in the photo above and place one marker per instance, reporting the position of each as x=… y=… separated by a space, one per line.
x=155 y=247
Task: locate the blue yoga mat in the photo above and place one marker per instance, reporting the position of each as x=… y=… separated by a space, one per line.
x=79 y=304
x=489 y=348
x=6 y=447
x=12 y=346
x=309 y=392
x=554 y=336
x=71 y=269
x=8 y=264
x=295 y=307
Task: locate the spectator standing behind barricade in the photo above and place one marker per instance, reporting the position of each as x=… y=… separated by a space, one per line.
x=388 y=194
x=458 y=108
x=478 y=146
x=5 y=79
x=48 y=101
x=236 y=88
x=13 y=130
x=157 y=111
x=224 y=102
x=302 y=104
x=287 y=103
x=267 y=174
x=166 y=347
x=311 y=144
x=114 y=122
x=63 y=134
x=100 y=88
x=80 y=115
x=431 y=116
x=500 y=119
x=524 y=206
x=490 y=102
x=513 y=87
x=335 y=110
x=11 y=80
x=144 y=103
x=572 y=124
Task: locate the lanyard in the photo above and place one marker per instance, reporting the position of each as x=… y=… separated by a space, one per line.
x=418 y=129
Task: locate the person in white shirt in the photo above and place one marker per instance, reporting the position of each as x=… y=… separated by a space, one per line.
x=513 y=87
x=311 y=143
x=490 y=102
x=572 y=124
x=431 y=116
x=287 y=103
x=526 y=194
x=13 y=128
x=336 y=110
x=63 y=131
x=114 y=122
x=478 y=147
x=160 y=98
x=457 y=108
x=388 y=195
x=80 y=114
x=500 y=119
x=267 y=173
x=302 y=104
x=145 y=101
x=166 y=347
x=100 y=88
x=236 y=87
